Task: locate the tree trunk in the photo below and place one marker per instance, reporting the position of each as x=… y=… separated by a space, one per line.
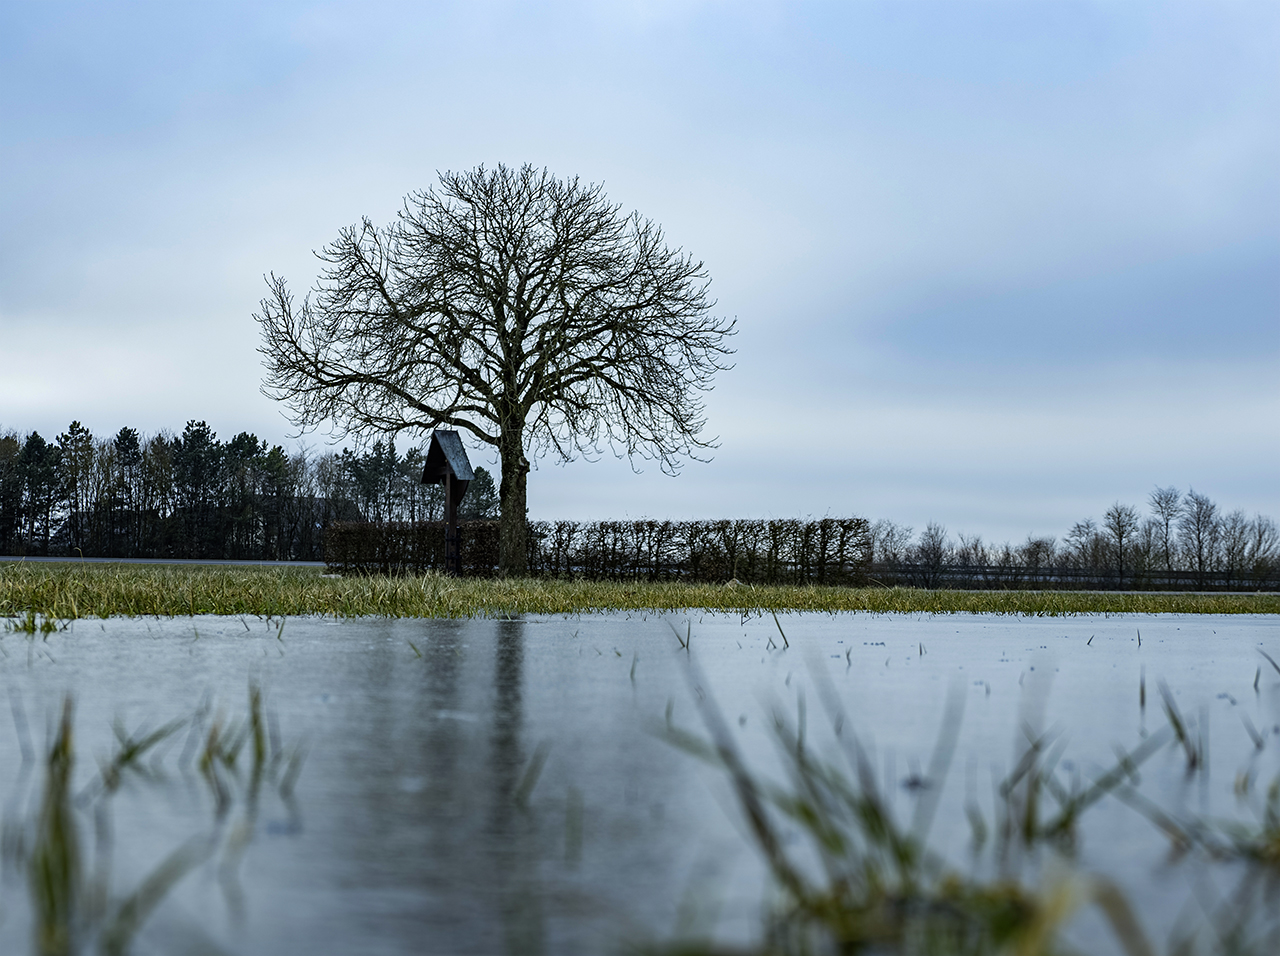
x=513 y=531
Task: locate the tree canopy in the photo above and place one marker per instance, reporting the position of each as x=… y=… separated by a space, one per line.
x=524 y=309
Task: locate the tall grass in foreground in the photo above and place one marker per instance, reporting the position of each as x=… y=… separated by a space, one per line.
x=853 y=878
x=69 y=591
x=59 y=838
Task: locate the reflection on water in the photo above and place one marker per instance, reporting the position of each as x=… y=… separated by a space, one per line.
x=504 y=786
x=515 y=859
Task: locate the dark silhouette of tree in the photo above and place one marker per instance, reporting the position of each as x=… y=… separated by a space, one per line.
x=1121 y=525
x=527 y=310
x=1166 y=506
x=890 y=542
x=128 y=448
x=1198 y=532
x=197 y=473
x=124 y=505
x=38 y=466
x=376 y=479
x=76 y=463
x=932 y=553
x=419 y=502
x=1264 y=545
x=1037 y=552
x=278 y=486
x=1087 y=547
x=481 y=500
x=10 y=493
x=972 y=551
x=1234 y=534
x=160 y=533
x=240 y=518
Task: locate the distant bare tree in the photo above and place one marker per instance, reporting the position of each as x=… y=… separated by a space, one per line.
x=1036 y=553
x=1088 y=548
x=1166 y=507
x=972 y=551
x=932 y=553
x=527 y=310
x=1234 y=536
x=1199 y=532
x=1121 y=524
x=1005 y=556
x=890 y=542
x=1264 y=544
x=1144 y=553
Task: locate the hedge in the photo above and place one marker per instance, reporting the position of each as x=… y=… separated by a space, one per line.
x=781 y=551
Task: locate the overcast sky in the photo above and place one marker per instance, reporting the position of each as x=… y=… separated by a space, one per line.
x=996 y=265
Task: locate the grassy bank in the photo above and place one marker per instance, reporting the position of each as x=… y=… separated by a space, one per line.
x=67 y=591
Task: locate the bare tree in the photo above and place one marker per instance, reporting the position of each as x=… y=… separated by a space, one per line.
x=1036 y=553
x=1121 y=524
x=972 y=551
x=1086 y=545
x=527 y=310
x=1166 y=507
x=1264 y=544
x=1198 y=532
x=890 y=542
x=1145 y=550
x=932 y=553
x=1234 y=535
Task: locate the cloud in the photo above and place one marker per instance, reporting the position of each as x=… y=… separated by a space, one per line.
x=926 y=217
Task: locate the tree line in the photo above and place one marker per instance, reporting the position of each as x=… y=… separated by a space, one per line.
x=195 y=496
x=1184 y=540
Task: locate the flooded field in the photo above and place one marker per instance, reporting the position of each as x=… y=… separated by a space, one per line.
x=481 y=786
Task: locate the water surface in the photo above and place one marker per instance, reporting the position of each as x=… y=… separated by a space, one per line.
x=496 y=786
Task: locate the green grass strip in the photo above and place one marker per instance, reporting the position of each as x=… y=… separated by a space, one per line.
x=69 y=591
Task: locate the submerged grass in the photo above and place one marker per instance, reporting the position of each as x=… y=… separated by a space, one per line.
x=30 y=592
x=63 y=841
x=850 y=877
